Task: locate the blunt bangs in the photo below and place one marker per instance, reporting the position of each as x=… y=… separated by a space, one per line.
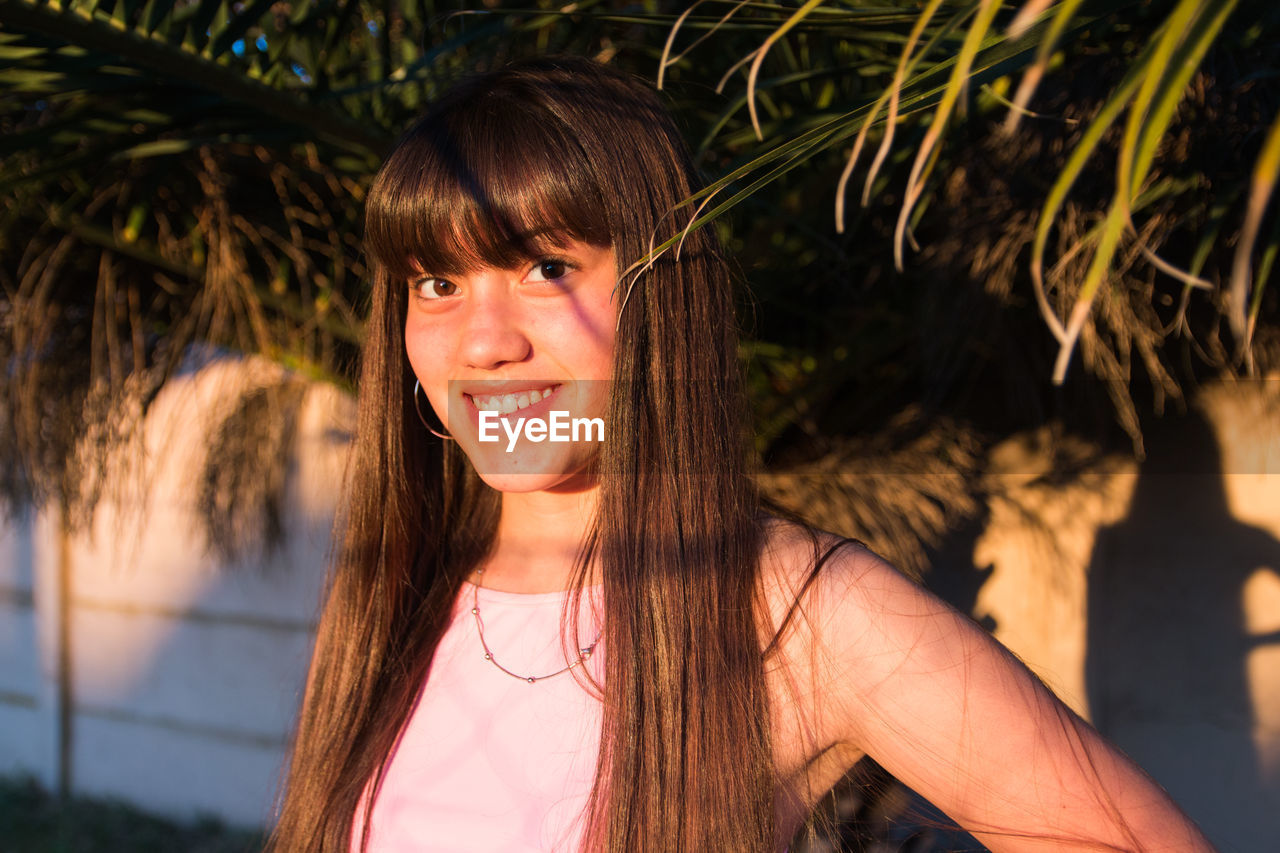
x=487 y=180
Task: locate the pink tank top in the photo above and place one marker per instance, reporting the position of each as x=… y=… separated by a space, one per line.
x=489 y=762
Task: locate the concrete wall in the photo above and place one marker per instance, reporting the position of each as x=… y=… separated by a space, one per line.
x=28 y=717
x=1148 y=596
x=181 y=673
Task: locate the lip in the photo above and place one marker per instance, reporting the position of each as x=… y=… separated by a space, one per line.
x=494 y=387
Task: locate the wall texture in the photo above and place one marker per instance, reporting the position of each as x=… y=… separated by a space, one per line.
x=1148 y=596
x=134 y=660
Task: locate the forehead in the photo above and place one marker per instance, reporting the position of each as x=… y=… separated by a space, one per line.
x=467 y=253
x=463 y=191
x=547 y=244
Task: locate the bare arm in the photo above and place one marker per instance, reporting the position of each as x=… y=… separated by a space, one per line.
x=951 y=713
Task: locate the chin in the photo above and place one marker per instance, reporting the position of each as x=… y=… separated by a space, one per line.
x=528 y=483
x=534 y=469
x=547 y=446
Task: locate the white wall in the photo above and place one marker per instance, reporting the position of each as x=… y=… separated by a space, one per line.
x=28 y=728
x=184 y=672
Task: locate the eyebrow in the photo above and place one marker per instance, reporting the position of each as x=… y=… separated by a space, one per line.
x=527 y=245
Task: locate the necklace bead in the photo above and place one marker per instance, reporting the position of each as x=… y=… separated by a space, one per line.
x=583 y=653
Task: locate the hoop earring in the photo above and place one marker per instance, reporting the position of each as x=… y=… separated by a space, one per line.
x=417 y=408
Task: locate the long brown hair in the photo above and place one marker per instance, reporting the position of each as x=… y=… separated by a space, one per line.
x=685 y=759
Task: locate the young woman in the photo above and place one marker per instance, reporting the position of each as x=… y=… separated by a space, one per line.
x=607 y=644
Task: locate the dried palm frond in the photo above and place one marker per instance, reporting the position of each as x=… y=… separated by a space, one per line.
x=899 y=491
x=190 y=175
x=948 y=51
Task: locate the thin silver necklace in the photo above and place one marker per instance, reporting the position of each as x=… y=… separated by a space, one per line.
x=583 y=654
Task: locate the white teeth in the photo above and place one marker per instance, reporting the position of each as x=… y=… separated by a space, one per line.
x=508 y=403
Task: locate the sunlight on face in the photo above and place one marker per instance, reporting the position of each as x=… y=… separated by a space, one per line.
x=514 y=346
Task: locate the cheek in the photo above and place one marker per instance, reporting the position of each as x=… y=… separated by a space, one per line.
x=599 y=358
x=429 y=361
x=593 y=334
x=426 y=350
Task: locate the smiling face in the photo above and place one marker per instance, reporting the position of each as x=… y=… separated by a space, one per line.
x=492 y=345
x=496 y=227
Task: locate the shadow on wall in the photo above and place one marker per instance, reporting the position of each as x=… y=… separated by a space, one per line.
x=150 y=666
x=1182 y=640
x=1148 y=596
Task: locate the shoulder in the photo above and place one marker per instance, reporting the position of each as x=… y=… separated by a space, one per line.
x=880 y=658
x=798 y=562
x=853 y=647
x=876 y=647
x=833 y=594
x=801 y=561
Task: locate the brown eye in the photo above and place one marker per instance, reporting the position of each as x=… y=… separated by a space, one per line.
x=434 y=288
x=549 y=269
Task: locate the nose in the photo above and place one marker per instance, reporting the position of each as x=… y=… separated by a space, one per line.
x=494 y=333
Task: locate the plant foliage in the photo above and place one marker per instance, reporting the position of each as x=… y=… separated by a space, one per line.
x=941 y=203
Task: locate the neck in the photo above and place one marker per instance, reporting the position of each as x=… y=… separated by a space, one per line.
x=538 y=540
